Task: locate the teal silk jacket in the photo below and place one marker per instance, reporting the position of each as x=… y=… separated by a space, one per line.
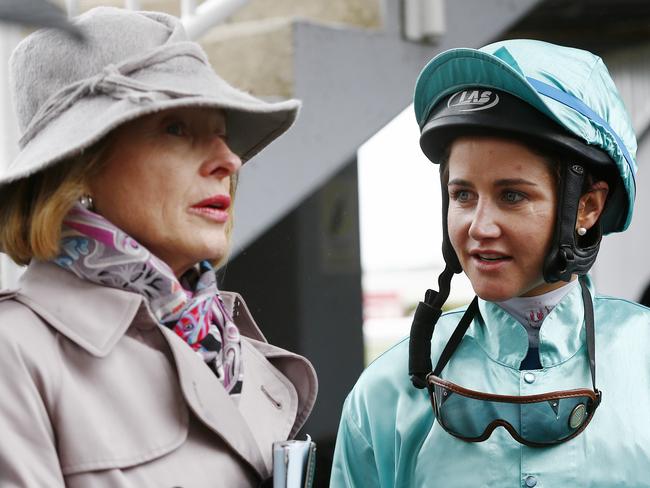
x=388 y=436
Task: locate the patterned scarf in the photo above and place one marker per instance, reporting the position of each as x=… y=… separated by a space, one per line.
x=95 y=250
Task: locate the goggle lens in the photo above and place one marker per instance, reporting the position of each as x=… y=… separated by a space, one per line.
x=534 y=420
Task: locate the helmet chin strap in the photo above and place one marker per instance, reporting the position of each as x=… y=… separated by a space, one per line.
x=424 y=321
x=428 y=312
x=566 y=257
x=569 y=254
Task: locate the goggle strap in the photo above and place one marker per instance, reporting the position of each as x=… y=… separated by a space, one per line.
x=456 y=336
x=589 y=329
x=427 y=315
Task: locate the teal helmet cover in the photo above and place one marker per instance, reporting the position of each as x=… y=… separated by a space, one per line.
x=570 y=86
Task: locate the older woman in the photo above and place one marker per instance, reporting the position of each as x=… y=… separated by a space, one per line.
x=121 y=364
x=536 y=155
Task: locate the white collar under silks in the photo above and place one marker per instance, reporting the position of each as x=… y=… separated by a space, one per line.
x=531 y=311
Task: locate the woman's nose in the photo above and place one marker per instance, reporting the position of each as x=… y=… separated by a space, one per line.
x=484 y=223
x=220 y=160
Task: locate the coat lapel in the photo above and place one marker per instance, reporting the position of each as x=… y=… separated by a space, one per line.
x=212 y=405
x=268 y=401
x=295 y=368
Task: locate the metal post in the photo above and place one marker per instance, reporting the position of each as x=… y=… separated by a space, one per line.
x=188 y=8
x=209 y=14
x=132 y=4
x=424 y=20
x=72 y=7
x=10 y=36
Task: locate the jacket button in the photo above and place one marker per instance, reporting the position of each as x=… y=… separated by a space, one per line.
x=530 y=481
x=529 y=378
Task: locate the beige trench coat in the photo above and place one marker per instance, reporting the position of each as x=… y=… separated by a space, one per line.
x=93 y=393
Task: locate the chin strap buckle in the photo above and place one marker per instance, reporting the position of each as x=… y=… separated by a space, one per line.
x=418 y=381
x=565 y=257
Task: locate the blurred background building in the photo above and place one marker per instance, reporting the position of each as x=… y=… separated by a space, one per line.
x=337 y=223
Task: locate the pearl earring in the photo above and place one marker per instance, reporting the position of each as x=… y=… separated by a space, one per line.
x=581 y=231
x=86 y=201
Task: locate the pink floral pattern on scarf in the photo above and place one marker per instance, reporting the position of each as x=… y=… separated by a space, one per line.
x=96 y=250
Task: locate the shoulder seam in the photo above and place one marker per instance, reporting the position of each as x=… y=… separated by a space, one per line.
x=625 y=300
x=398 y=343
x=454 y=311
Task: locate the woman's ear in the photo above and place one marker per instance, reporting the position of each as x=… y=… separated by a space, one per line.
x=591 y=205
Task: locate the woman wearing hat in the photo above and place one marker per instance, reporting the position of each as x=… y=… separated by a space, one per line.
x=536 y=155
x=121 y=363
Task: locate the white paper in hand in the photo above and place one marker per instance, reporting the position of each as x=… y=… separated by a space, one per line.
x=293 y=463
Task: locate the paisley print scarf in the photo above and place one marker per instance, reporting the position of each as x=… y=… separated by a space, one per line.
x=95 y=250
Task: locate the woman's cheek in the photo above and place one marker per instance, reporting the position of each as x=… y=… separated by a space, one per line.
x=454 y=228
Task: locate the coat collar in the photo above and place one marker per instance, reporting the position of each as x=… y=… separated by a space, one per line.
x=95 y=317
x=92 y=316
x=505 y=340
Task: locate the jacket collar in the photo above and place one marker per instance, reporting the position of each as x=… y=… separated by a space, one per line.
x=95 y=317
x=505 y=340
x=92 y=316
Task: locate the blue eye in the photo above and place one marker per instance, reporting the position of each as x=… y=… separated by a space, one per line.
x=512 y=196
x=175 y=128
x=461 y=195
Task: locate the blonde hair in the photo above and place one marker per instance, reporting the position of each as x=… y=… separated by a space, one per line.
x=32 y=209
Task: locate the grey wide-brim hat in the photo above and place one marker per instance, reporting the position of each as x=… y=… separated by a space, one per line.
x=69 y=95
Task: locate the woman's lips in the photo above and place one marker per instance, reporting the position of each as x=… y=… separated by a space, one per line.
x=489 y=261
x=214 y=208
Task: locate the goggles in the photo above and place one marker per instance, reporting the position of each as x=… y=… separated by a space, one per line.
x=534 y=420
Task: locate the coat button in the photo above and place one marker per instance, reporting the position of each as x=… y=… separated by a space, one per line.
x=529 y=378
x=530 y=481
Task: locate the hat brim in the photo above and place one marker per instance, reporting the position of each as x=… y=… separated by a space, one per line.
x=461 y=68
x=438 y=132
x=251 y=123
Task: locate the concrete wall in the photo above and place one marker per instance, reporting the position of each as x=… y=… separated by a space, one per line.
x=168 y=6
x=360 y=13
x=623 y=268
x=255 y=56
x=254 y=49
